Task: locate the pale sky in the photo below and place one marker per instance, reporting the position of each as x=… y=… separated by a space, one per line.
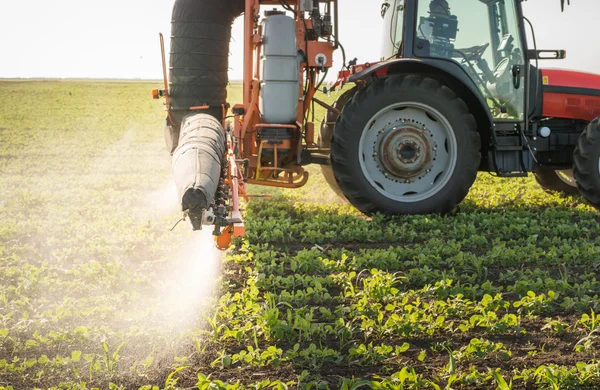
x=119 y=39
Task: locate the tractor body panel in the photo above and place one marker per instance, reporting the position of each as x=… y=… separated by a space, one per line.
x=570 y=94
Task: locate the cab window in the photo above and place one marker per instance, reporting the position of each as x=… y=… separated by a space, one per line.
x=483 y=37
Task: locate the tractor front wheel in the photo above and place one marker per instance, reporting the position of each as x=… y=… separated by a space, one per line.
x=587 y=163
x=405 y=145
x=556 y=180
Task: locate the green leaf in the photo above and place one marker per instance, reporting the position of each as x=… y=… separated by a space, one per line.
x=75 y=356
x=170 y=380
x=362 y=383
x=451 y=364
x=31 y=343
x=226 y=361
x=403 y=348
x=500 y=381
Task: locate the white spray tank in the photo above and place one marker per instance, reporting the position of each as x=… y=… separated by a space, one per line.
x=280 y=71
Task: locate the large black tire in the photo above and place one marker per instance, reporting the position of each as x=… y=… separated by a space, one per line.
x=325 y=134
x=199 y=57
x=199 y=60
x=550 y=180
x=424 y=114
x=587 y=163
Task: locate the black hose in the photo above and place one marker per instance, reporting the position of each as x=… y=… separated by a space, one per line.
x=199 y=63
x=322 y=79
x=337 y=42
x=287 y=6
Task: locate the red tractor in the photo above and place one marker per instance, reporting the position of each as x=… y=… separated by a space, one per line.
x=451 y=101
x=458 y=91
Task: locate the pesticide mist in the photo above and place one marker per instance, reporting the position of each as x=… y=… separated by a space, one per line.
x=188 y=288
x=92 y=279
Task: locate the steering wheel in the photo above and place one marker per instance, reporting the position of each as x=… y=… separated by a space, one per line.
x=470 y=56
x=473 y=53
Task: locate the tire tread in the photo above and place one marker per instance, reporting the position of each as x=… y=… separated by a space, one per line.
x=346 y=177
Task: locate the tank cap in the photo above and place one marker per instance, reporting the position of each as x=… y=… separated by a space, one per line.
x=274 y=12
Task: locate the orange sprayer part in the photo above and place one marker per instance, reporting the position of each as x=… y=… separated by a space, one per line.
x=310 y=133
x=223 y=242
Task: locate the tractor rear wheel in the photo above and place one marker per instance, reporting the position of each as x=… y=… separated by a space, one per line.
x=405 y=145
x=587 y=163
x=327 y=127
x=556 y=180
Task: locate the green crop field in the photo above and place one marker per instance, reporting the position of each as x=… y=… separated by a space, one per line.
x=97 y=292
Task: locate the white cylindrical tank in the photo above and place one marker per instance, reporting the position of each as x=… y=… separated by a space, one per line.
x=280 y=83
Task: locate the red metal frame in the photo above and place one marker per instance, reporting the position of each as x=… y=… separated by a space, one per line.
x=250 y=146
x=344 y=75
x=237 y=189
x=571 y=95
x=244 y=138
x=244 y=145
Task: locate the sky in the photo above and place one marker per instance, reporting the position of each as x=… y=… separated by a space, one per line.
x=119 y=38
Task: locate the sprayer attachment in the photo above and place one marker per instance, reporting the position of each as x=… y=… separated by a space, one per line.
x=198 y=164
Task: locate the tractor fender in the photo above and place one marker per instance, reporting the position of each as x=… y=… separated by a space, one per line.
x=447 y=72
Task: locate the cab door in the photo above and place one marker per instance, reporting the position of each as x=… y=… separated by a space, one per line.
x=484 y=38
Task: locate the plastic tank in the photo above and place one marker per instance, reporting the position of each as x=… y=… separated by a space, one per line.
x=280 y=83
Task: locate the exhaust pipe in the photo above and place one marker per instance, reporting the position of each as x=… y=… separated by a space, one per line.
x=199 y=62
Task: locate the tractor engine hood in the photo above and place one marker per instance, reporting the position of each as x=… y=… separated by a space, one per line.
x=570 y=79
x=571 y=94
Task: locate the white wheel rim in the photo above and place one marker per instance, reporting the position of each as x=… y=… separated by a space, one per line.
x=426 y=147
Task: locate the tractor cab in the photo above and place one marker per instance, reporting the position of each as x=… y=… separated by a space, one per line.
x=482 y=38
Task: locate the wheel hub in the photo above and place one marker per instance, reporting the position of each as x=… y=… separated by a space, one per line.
x=408 y=152
x=405 y=151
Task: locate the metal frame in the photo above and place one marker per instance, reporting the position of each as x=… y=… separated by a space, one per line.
x=250 y=147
